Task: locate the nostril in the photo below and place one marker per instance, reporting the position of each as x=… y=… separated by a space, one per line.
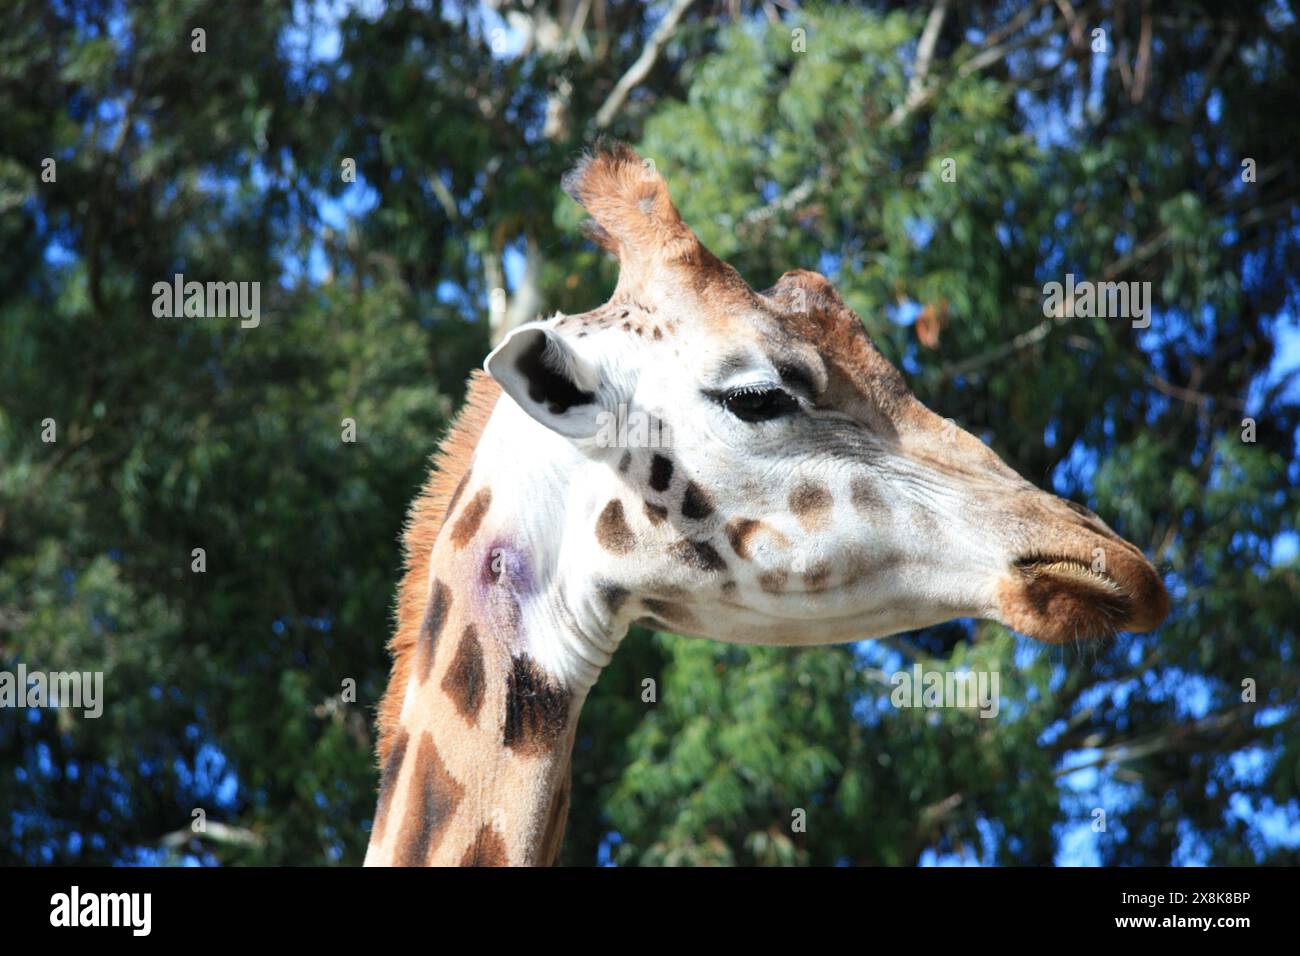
x=1080 y=510
x=1090 y=520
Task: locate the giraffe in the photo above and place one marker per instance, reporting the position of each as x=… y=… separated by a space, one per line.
x=802 y=496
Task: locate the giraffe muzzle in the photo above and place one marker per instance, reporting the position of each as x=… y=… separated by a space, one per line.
x=1104 y=588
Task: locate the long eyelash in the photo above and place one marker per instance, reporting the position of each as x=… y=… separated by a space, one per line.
x=724 y=396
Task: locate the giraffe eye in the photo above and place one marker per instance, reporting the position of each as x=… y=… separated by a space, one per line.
x=759 y=404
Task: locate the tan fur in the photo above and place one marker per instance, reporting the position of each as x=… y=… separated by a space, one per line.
x=814 y=312
x=423 y=522
x=496 y=791
x=552 y=840
x=635 y=219
x=630 y=204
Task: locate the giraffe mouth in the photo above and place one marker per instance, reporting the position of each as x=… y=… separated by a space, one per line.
x=1056 y=599
x=1071 y=569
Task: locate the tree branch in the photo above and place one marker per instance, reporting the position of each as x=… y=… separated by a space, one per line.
x=916 y=91
x=215 y=832
x=643 y=65
x=1168 y=739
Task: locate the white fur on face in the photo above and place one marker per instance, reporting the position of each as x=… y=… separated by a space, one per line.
x=847 y=569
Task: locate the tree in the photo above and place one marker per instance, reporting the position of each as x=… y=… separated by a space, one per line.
x=381 y=175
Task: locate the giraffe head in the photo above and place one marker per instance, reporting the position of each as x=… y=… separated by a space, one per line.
x=753 y=470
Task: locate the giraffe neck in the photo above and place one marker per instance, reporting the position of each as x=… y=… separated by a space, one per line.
x=478 y=770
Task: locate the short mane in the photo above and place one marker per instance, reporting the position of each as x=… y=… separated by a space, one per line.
x=423 y=522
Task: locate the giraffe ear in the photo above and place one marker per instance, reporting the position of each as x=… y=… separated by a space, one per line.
x=541 y=371
x=632 y=216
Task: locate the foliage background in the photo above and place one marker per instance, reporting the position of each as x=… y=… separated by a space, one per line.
x=808 y=136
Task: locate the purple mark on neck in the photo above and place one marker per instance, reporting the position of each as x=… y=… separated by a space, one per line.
x=504 y=566
x=505 y=582
x=506 y=576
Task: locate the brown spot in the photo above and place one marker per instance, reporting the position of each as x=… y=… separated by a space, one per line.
x=700 y=555
x=435 y=616
x=488 y=849
x=612 y=595
x=816 y=577
x=466 y=525
x=537 y=709
x=455 y=495
x=388 y=781
x=656 y=513
x=424 y=527
x=860 y=565
x=463 y=682
x=696 y=504
x=612 y=531
x=432 y=801
x=661 y=473
x=773 y=582
x=624 y=462
x=863 y=494
x=656 y=334
x=729 y=588
x=668 y=611
x=811 y=504
x=739 y=531
x=669 y=591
